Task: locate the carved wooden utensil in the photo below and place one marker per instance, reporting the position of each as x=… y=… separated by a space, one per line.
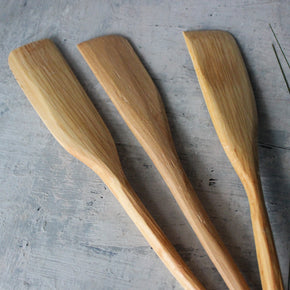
x=230 y=101
x=70 y=116
x=126 y=81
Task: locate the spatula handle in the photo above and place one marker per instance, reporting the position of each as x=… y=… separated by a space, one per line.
x=200 y=222
x=265 y=248
x=153 y=234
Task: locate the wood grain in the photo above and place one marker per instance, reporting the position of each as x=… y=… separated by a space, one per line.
x=131 y=89
x=70 y=116
x=230 y=101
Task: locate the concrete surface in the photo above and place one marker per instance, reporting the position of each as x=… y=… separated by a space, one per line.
x=60 y=228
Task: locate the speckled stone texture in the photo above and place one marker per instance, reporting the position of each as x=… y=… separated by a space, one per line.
x=60 y=227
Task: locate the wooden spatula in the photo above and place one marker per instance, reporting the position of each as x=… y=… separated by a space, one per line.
x=230 y=101
x=120 y=72
x=70 y=116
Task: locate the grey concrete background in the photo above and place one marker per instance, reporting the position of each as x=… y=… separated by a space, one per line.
x=60 y=228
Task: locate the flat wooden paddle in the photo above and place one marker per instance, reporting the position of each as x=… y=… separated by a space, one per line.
x=121 y=73
x=70 y=116
x=230 y=101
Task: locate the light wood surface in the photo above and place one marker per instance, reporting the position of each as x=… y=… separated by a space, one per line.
x=126 y=81
x=70 y=116
x=230 y=101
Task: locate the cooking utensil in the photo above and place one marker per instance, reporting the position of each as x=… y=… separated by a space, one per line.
x=126 y=81
x=70 y=116
x=230 y=101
